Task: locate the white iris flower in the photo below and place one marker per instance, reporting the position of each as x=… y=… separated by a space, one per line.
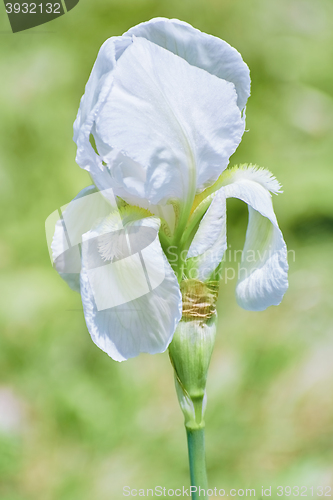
x=163 y=111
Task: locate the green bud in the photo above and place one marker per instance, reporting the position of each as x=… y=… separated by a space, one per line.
x=192 y=346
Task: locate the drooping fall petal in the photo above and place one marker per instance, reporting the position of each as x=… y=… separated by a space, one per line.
x=263 y=274
x=75 y=219
x=130 y=295
x=210 y=241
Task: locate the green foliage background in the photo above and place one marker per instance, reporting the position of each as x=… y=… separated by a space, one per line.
x=74 y=425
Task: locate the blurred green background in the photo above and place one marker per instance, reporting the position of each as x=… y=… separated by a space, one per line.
x=75 y=425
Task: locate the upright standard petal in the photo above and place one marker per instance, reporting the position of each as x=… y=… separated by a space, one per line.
x=96 y=91
x=263 y=277
x=176 y=121
x=131 y=297
x=199 y=49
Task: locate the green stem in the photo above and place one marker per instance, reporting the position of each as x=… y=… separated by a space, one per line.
x=197 y=460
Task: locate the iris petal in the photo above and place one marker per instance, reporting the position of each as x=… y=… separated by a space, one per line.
x=77 y=218
x=263 y=275
x=263 y=278
x=176 y=121
x=132 y=304
x=210 y=242
x=199 y=49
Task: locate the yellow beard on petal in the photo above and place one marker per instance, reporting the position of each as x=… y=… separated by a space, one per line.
x=113 y=243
